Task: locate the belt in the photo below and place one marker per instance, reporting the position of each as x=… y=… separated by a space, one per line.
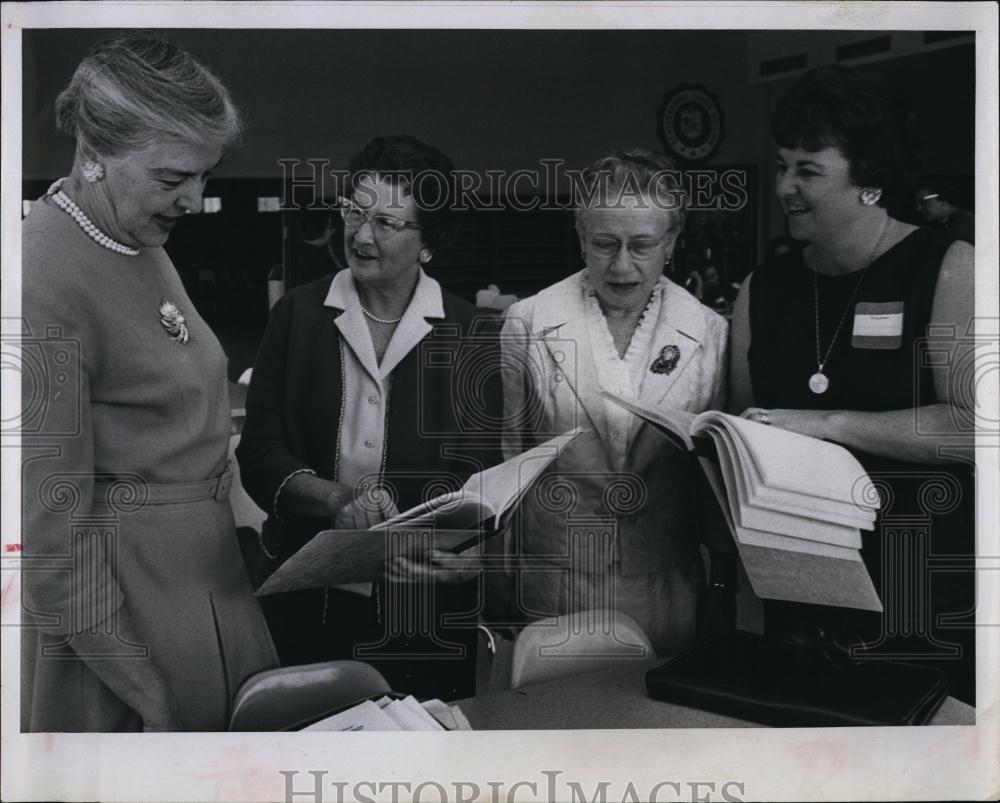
x=168 y=493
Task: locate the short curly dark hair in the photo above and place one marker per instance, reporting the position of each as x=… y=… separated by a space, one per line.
x=424 y=173
x=873 y=126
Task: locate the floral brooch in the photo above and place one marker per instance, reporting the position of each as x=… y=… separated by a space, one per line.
x=667 y=361
x=172 y=321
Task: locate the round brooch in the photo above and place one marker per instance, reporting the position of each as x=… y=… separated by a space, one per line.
x=173 y=323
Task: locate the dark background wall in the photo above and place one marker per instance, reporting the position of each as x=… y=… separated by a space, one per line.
x=498 y=100
x=490 y=99
x=493 y=100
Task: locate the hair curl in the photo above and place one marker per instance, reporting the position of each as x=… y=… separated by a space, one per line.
x=136 y=87
x=422 y=171
x=839 y=106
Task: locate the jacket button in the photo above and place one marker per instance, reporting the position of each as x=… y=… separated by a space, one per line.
x=369 y=444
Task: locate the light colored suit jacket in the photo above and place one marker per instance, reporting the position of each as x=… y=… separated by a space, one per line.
x=643 y=493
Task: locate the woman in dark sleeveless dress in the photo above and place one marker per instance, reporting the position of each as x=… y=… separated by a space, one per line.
x=861 y=338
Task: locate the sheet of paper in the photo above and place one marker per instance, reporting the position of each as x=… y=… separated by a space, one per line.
x=441 y=711
x=463 y=723
x=365 y=716
x=410 y=702
x=336 y=557
x=409 y=720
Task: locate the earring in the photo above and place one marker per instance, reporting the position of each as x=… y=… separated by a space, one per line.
x=871 y=195
x=92 y=171
x=425 y=256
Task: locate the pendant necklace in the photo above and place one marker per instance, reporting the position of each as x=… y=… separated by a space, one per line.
x=819 y=382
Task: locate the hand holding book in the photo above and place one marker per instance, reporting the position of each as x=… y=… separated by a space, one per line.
x=420 y=542
x=437 y=565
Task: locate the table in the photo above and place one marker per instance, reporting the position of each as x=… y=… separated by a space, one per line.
x=616 y=698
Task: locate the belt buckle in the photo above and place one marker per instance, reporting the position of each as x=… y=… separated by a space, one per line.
x=222 y=487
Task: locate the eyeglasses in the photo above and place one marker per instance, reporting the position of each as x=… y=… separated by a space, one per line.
x=608 y=248
x=383 y=226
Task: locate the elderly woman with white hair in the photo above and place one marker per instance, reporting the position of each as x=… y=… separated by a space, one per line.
x=614 y=522
x=139 y=614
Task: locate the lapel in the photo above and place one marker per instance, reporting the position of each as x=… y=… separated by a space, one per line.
x=681 y=324
x=560 y=322
x=351 y=322
x=426 y=303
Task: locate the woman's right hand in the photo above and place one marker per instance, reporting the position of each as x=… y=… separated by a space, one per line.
x=364 y=512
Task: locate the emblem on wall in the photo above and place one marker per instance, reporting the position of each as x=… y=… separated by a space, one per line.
x=691 y=123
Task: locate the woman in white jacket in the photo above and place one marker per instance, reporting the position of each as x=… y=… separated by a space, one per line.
x=615 y=521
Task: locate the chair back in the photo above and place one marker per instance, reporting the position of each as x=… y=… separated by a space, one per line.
x=294 y=696
x=571 y=644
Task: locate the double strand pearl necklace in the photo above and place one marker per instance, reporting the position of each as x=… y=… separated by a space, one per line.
x=64 y=202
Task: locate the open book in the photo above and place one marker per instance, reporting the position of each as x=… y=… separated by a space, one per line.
x=488 y=495
x=794 y=504
x=448 y=522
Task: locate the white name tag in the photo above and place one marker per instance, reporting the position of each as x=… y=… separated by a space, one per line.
x=878 y=326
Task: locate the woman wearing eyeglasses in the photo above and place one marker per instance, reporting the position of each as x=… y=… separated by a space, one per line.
x=614 y=522
x=348 y=419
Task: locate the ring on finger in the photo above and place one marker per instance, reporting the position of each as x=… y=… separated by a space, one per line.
x=765 y=417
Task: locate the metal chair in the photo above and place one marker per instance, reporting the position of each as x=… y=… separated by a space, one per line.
x=294 y=696
x=571 y=644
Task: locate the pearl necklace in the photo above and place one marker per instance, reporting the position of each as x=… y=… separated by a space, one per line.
x=64 y=202
x=386 y=321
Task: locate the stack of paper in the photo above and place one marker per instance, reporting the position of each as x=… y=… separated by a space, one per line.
x=395 y=714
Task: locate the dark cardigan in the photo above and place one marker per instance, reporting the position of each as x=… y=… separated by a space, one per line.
x=437 y=430
x=444 y=410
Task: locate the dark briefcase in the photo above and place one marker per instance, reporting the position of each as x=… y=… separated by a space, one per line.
x=778 y=682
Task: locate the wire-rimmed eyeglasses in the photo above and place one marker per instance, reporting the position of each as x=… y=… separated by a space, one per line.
x=640 y=250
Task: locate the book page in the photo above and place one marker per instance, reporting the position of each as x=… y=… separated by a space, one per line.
x=336 y=557
x=460 y=508
x=487 y=494
x=674 y=422
x=800 y=522
x=779 y=456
